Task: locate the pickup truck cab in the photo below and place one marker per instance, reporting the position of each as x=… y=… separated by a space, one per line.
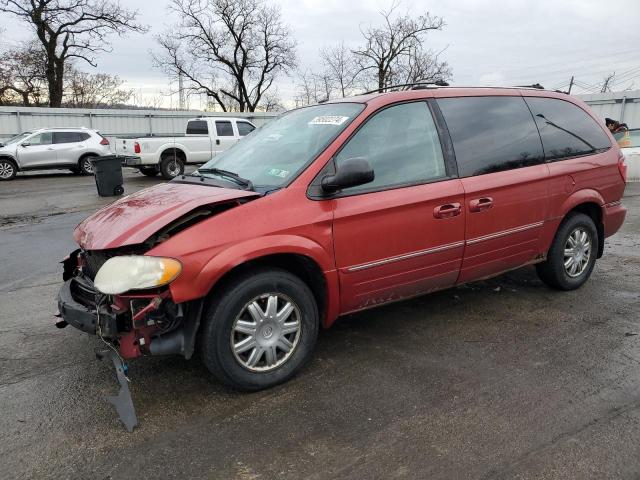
x=205 y=138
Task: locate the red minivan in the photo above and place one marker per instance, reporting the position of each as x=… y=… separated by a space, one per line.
x=339 y=207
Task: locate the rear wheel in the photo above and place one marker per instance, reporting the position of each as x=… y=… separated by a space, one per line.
x=8 y=169
x=171 y=166
x=572 y=255
x=260 y=330
x=149 y=171
x=85 y=165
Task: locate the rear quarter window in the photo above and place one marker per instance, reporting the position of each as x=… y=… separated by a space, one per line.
x=197 y=127
x=566 y=129
x=491 y=134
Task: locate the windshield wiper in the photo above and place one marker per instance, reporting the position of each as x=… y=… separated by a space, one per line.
x=227 y=174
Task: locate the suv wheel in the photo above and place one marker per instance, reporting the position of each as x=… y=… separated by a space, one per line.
x=260 y=330
x=8 y=169
x=85 y=165
x=572 y=255
x=171 y=166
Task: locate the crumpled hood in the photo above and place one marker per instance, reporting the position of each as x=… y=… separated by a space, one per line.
x=134 y=218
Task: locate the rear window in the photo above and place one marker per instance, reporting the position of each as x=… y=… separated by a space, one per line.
x=566 y=129
x=224 y=128
x=68 y=137
x=628 y=139
x=197 y=127
x=245 y=128
x=491 y=134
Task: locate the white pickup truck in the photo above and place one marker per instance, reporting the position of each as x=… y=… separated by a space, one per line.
x=205 y=138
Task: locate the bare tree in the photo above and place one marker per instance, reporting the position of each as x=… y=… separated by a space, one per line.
x=22 y=78
x=313 y=88
x=71 y=29
x=400 y=36
x=419 y=65
x=230 y=50
x=340 y=67
x=99 y=90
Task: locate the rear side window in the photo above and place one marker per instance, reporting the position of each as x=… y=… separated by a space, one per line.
x=67 y=137
x=402 y=145
x=245 y=128
x=224 y=128
x=566 y=129
x=491 y=134
x=197 y=127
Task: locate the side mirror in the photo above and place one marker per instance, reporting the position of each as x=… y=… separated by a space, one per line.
x=353 y=172
x=25 y=144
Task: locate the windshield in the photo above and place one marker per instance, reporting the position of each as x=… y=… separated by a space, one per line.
x=17 y=138
x=271 y=156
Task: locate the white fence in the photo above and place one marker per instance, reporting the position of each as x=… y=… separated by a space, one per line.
x=110 y=123
x=621 y=106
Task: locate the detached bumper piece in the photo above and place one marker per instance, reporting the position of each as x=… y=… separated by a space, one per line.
x=122 y=402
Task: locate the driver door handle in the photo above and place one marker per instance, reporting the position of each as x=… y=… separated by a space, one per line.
x=480 y=204
x=447 y=210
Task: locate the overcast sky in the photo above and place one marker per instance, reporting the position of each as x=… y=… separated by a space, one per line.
x=487 y=42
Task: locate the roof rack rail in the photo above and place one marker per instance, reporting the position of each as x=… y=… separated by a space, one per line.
x=409 y=86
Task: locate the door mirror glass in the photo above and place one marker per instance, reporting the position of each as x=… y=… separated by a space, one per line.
x=352 y=172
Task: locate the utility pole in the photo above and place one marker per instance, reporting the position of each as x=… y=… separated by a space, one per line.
x=605 y=85
x=570 y=85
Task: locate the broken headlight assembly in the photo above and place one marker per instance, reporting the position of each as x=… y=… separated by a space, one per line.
x=135 y=272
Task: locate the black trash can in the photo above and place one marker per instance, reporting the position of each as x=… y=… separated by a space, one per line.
x=108 y=175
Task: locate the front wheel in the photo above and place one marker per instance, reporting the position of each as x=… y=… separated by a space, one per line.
x=171 y=166
x=260 y=330
x=8 y=169
x=572 y=255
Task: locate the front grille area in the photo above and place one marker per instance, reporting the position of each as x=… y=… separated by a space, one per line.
x=94 y=259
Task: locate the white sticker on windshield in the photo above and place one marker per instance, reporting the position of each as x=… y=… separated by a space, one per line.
x=329 y=120
x=276 y=172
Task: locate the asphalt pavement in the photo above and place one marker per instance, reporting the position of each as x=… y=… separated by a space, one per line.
x=499 y=379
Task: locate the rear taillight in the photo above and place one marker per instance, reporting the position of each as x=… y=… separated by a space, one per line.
x=136 y=147
x=104 y=141
x=622 y=167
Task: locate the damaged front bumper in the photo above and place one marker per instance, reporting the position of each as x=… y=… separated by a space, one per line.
x=130 y=325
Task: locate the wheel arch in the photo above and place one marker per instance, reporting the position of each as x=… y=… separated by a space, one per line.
x=13 y=159
x=588 y=202
x=177 y=151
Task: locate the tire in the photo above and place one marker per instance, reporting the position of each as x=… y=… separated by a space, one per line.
x=171 y=166
x=117 y=191
x=230 y=307
x=8 y=169
x=576 y=229
x=85 y=165
x=149 y=171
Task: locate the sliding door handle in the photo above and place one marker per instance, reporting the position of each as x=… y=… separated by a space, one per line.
x=480 y=204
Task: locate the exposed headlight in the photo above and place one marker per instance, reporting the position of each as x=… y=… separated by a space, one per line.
x=135 y=272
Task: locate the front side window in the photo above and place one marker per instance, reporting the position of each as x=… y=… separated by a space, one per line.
x=66 y=137
x=402 y=145
x=491 y=134
x=566 y=129
x=224 y=128
x=245 y=128
x=197 y=127
x=276 y=153
x=40 y=139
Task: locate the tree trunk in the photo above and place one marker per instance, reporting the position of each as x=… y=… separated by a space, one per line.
x=381 y=79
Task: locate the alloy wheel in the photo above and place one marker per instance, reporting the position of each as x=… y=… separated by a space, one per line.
x=266 y=333
x=6 y=170
x=577 y=252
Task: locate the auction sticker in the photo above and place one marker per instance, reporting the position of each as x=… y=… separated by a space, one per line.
x=329 y=120
x=276 y=172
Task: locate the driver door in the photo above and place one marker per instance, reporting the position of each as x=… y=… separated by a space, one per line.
x=37 y=151
x=403 y=234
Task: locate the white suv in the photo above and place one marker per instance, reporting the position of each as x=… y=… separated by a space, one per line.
x=52 y=148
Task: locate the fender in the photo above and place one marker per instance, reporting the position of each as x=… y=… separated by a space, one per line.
x=572 y=201
x=581 y=196
x=187 y=288
x=11 y=157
